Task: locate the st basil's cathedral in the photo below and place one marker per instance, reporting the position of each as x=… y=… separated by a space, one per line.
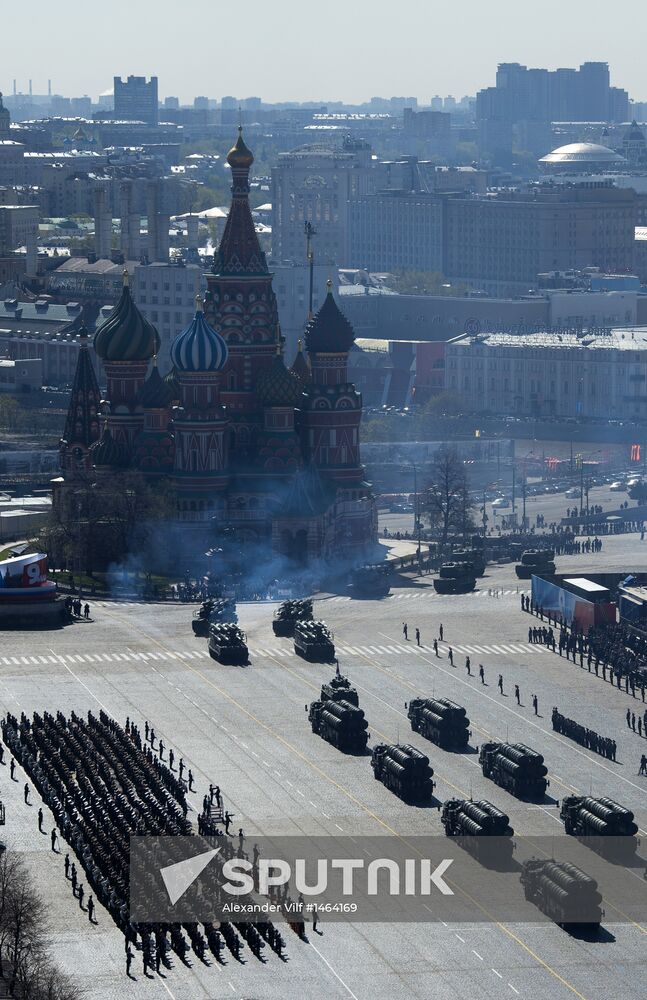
x=268 y=453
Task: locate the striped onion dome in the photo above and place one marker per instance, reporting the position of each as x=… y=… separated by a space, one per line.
x=126 y=335
x=198 y=348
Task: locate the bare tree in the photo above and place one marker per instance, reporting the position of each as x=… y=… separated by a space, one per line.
x=446 y=500
x=23 y=936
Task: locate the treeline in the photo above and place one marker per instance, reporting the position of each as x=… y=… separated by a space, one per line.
x=25 y=962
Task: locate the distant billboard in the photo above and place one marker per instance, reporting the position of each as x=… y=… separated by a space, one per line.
x=24 y=571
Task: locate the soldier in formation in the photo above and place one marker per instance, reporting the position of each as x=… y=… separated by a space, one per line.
x=586 y=737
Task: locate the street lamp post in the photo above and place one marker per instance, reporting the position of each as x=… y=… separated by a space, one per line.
x=416 y=507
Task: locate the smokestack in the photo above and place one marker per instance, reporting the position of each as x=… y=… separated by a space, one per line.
x=14 y=88
x=158 y=224
x=192 y=237
x=49 y=88
x=102 y=224
x=30 y=88
x=130 y=235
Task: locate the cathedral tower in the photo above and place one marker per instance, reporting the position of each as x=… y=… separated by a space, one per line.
x=198 y=355
x=241 y=306
x=126 y=342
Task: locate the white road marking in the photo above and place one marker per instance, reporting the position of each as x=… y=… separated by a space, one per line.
x=497 y=973
x=335 y=974
x=513 y=988
x=459 y=937
x=480 y=957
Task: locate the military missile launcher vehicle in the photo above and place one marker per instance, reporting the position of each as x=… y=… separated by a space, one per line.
x=584 y=816
x=369 y=582
x=482 y=829
x=536 y=561
x=465 y=818
x=455 y=578
x=341 y=724
x=212 y=611
x=473 y=557
x=313 y=641
x=227 y=643
x=442 y=721
x=337 y=717
x=339 y=689
x=404 y=770
x=515 y=767
x=288 y=614
x=563 y=892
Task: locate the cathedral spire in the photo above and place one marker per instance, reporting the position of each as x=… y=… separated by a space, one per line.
x=239 y=252
x=82 y=421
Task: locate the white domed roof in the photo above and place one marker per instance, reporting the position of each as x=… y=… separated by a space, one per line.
x=583 y=154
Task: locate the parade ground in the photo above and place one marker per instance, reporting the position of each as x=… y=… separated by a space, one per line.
x=245 y=729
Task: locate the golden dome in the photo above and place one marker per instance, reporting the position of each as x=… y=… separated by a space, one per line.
x=239 y=155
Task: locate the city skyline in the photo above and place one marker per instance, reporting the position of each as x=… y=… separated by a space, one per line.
x=288 y=64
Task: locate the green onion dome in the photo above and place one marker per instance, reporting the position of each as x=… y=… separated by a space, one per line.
x=108 y=453
x=156 y=393
x=277 y=386
x=126 y=335
x=329 y=332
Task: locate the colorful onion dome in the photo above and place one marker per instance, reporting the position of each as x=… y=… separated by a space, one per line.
x=126 y=335
x=277 y=386
x=108 y=452
x=156 y=393
x=198 y=348
x=240 y=155
x=329 y=332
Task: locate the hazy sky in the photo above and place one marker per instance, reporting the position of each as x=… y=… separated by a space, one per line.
x=301 y=50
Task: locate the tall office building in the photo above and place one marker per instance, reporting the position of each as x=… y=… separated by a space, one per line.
x=499 y=244
x=136 y=99
x=316 y=184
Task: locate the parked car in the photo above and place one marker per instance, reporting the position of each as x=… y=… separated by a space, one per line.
x=617 y=487
x=501 y=502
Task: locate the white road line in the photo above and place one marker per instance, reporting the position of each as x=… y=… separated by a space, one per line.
x=335 y=974
x=459 y=937
x=513 y=988
x=92 y=695
x=497 y=973
x=477 y=955
x=339 y=827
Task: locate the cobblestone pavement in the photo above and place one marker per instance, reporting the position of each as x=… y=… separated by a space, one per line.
x=245 y=728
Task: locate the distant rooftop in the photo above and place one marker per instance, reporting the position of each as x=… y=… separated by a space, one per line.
x=616 y=338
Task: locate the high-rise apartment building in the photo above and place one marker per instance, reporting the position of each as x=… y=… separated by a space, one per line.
x=539 y=95
x=136 y=99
